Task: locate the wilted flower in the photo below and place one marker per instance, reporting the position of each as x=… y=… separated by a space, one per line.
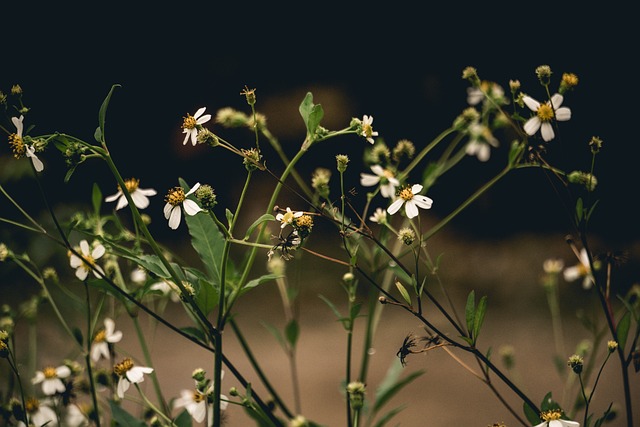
x=51 y=379
x=88 y=261
x=138 y=195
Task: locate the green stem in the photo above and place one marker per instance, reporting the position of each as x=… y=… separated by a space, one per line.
x=87 y=357
x=416 y=160
x=148 y=361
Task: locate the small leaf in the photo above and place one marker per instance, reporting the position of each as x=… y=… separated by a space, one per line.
x=183 y=420
x=470 y=311
x=403 y=292
x=623 y=329
x=291 y=332
x=102 y=116
x=96 y=198
x=77 y=334
x=479 y=317
x=579 y=209
x=532 y=416
x=257 y=222
x=276 y=333
x=392 y=384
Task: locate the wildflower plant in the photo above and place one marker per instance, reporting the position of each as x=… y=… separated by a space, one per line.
x=383 y=223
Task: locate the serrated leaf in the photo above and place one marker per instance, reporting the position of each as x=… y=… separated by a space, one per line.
x=403 y=292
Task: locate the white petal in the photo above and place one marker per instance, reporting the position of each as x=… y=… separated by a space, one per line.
x=135 y=375
x=37 y=163
x=63 y=371
x=388 y=190
x=122 y=203
x=140 y=200
x=547 y=131
x=187 y=133
x=82 y=273
x=123 y=385
x=531 y=103
x=416 y=188
x=174 y=218
x=50 y=387
x=563 y=114
x=411 y=209
x=115 y=337
x=191 y=207
x=395 y=206
x=147 y=191
x=168 y=207
x=38 y=378
x=193 y=189
x=84 y=247
x=200 y=111
x=75 y=261
x=571 y=273
x=484 y=152
x=98 y=251
x=18 y=124
x=378 y=170
x=368 y=180
x=113 y=197
x=109 y=326
x=532 y=125
x=199 y=411
x=422 y=201
x=556 y=101
x=204 y=119
x=194 y=136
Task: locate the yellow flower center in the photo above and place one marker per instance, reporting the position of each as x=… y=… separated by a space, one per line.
x=198 y=397
x=551 y=415
x=121 y=368
x=175 y=196
x=287 y=218
x=100 y=336
x=406 y=194
x=49 y=372
x=132 y=184
x=545 y=112
x=189 y=122
x=305 y=221
x=17 y=145
x=32 y=404
x=367 y=130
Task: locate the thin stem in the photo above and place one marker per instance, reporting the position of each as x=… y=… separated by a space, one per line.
x=147 y=358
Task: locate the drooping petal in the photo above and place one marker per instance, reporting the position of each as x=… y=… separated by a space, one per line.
x=368 y=180
x=198 y=411
x=388 y=190
x=531 y=103
x=532 y=125
x=113 y=197
x=140 y=200
x=18 y=124
x=563 y=114
x=168 y=207
x=546 y=130
x=411 y=209
x=123 y=385
x=395 y=206
x=191 y=207
x=174 y=217
x=37 y=163
x=187 y=133
x=122 y=202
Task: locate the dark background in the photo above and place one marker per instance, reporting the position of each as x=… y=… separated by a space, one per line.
x=399 y=64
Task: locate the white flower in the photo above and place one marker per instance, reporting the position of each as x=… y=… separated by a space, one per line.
x=288 y=217
x=138 y=275
x=29 y=150
x=167 y=288
x=196 y=402
x=191 y=124
x=552 y=419
x=129 y=374
x=139 y=195
x=177 y=197
x=50 y=378
x=103 y=338
x=367 y=128
x=88 y=261
x=388 y=182
x=379 y=216
x=580 y=270
x=544 y=113
x=74 y=417
x=412 y=201
x=480 y=142
x=40 y=413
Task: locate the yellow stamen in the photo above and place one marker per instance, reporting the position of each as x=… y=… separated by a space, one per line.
x=545 y=112
x=367 y=130
x=49 y=372
x=406 y=194
x=551 y=415
x=175 y=196
x=31 y=405
x=132 y=184
x=100 y=336
x=198 y=397
x=17 y=145
x=121 y=368
x=189 y=122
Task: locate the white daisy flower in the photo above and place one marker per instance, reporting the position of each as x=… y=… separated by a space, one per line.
x=40 y=413
x=379 y=216
x=480 y=142
x=367 y=128
x=552 y=419
x=544 y=114
x=129 y=374
x=385 y=177
x=409 y=197
x=288 y=217
x=88 y=261
x=74 y=417
x=176 y=198
x=51 y=379
x=103 y=338
x=139 y=195
x=580 y=270
x=191 y=125
x=20 y=148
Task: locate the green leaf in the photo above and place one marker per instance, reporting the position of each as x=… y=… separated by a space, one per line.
x=470 y=311
x=532 y=416
x=392 y=384
x=623 y=329
x=102 y=116
x=292 y=332
x=120 y=417
x=382 y=421
x=208 y=296
x=183 y=420
x=259 y=281
x=579 y=209
x=151 y=263
x=96 y=198
x=311 y=115
x=77 y=334
x=403 y=292
x=479 y=317
x=257 y=222
x=277 y=335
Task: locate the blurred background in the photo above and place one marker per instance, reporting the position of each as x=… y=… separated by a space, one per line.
x=401 y=66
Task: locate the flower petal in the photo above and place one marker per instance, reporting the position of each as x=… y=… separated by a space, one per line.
x=563 y=114
x=113 y=197
x=422 y=201
x=531 y=103
x=193 y=189
x=98 y=251
x=84 y=247
x=532 y=125
x=556 y=101
x=191 y=207
x=368 y=180
x=546 y=130
x=168 y=207
x=140 y=200
x=122 y=202
x=411 y=209
x=174 y=218
x=395 y=206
